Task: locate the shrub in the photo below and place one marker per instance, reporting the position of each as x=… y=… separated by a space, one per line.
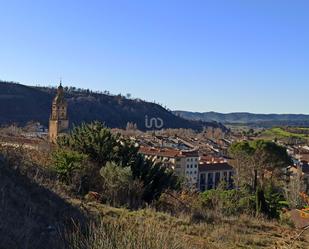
x=228 y=202
x=67 y=162
x=119 y=187
x=275 y=201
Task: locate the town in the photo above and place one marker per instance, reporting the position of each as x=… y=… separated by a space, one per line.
x=154 y=124
x=201 y=158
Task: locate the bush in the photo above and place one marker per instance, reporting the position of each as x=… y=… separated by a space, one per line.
x=274 y=201
x=67 y=162
x=228 y=202
x=119 y=187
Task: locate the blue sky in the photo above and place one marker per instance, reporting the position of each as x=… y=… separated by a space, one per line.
x=197 y=55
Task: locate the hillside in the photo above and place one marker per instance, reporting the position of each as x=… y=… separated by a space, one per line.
x=20 y=104
x=37 y=213
x=263 y=120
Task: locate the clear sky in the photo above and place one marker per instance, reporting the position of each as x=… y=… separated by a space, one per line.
x=197 y=55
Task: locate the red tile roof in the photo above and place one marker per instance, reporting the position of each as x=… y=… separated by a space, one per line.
x=193 y=153
x=150 y=151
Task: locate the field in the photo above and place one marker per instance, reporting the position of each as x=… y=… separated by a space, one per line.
x=286 y=133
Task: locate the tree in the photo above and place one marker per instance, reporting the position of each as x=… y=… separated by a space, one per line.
x=93 y=139
x=125 y=152
x=261 y=164
x=295 y=186
x=67 y=162
x=241 y=154
x=259 y=161
x=155 y=177
x=101 y=146
x=270 y=161
x=97 y=141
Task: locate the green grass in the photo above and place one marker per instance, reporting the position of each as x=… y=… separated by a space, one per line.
x=281 y=133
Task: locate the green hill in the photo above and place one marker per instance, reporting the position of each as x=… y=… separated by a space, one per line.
x=260 y=120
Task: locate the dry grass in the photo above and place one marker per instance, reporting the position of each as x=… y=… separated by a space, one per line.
x=143 y=229
x=35 y=214
x=30 y=212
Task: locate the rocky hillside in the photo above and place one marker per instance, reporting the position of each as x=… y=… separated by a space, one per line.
x=20 y=104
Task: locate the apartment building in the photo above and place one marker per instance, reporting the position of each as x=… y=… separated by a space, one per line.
x=184 y=163
x=213 y=172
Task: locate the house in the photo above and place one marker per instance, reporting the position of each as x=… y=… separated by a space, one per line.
x=305 y=170
x=300 y=170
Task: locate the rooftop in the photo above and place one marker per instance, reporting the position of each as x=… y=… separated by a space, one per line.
x=214 y=166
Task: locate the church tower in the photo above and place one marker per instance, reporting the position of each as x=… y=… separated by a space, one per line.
x=58 y=121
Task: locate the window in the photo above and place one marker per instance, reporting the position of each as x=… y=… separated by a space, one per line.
x=203 y=179
x=210 y=181
x=188 y=166
x=225 y=176
x=195 y=159
x=231 y=179
x=230 y=176
x=217 y=178
x=195 y=165
x=195 y=172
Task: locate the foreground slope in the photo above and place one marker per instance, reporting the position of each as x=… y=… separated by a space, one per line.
x=37 y=212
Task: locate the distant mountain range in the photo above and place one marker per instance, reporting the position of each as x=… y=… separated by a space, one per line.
x=260 y=120
x=21 y=104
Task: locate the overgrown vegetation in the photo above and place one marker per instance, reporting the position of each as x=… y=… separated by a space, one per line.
x=124 y=165
x=96 y=191
x=261 y=168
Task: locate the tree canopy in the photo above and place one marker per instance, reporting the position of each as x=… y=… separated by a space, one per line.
x=102 y=147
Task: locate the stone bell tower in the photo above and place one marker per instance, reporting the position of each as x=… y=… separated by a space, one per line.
x=58 y=121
